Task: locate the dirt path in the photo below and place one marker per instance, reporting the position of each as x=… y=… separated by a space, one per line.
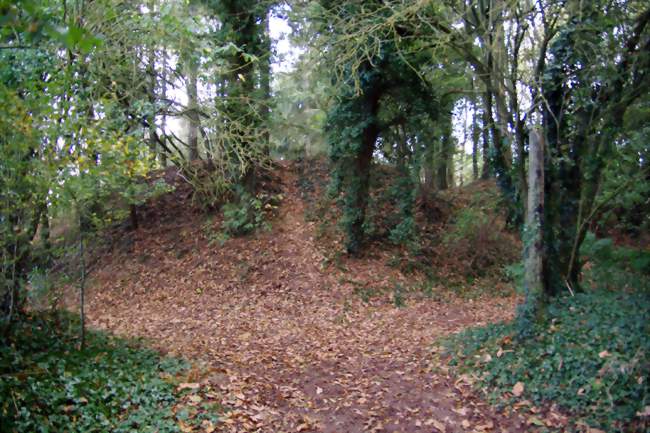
x=287 y=344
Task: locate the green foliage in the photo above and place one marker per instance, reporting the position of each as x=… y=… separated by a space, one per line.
x=591 y=357
x=515 y=272
x=592 y=353
x=398 y=296
x=472 y=236
x=625 y=187
x=248 y=213
x=22 y=191
x=469 y=223
x=403 y=190
x=111 y=385
x=613 y=266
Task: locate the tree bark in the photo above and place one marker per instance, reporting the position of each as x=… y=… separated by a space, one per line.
x=151 y=70
x=193 y=114
x=532 y=311
x=485 y=132
x=358 y=194
x=476 y=133
x=163 y=124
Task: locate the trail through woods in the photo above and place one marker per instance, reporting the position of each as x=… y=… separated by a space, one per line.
x=285 y=343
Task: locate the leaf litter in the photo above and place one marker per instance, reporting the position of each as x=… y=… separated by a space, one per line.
x=283 y=340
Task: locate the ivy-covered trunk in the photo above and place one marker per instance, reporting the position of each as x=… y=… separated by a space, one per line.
x=244 y=25
x=500 y=164
x=356 y=195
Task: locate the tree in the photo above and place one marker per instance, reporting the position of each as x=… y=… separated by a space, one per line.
x=586 y=97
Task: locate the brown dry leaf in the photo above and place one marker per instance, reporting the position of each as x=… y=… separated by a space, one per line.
x=466 y=424
x=195 y=398
x=645 y=412
x=518 y=389
x=485 y=427
x=499 y=353
x=208 y=426
x=462 y=411
x=535 y=421
x=436 y=424
x=319 y=390
x=185 y=428
x=595 y=430
x=604 y=354
x=303 y=427
x=183 y=386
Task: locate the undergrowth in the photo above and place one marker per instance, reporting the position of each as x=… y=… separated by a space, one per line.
x=591 y=356
x=47 y=385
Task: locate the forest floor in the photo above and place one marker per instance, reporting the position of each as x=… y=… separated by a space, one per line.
x=284 y=343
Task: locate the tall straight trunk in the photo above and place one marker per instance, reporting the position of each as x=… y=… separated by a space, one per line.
x=163 y=123
x=82 y=289
x=450 y=151
x=265 y=82
x=485 y=133
x=246 y=23
x=500 y=165
x=441 y=165
x=476 y=134
x=151 y=71
x=428 y=168
x=357 y=195
x=45 y=231
x=532 y=311
x=193 y=113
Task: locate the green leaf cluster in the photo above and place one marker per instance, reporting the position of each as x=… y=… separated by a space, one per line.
x=248 y=212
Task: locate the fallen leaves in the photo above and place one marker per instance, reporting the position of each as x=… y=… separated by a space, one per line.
x=276 y=325
x=183 y=386
x=436 y=424
x=518 y=389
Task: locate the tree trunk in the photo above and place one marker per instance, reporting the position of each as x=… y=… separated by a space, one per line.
x=163 y=124
x=133 y=217
x=476 y=132
x=193 y=114
x=357 y=195
x=441 y=165
x=449 y=150
x=532 y=311
x=265 y=81
x=486 y=169
x=500 y=165
x=151 y=70
x=428 y=168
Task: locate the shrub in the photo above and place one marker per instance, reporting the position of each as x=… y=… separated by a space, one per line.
x=248 y=213
x=475 y=238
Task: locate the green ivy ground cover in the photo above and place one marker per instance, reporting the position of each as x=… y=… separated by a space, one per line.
x=592 y=358
x=47 y=385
